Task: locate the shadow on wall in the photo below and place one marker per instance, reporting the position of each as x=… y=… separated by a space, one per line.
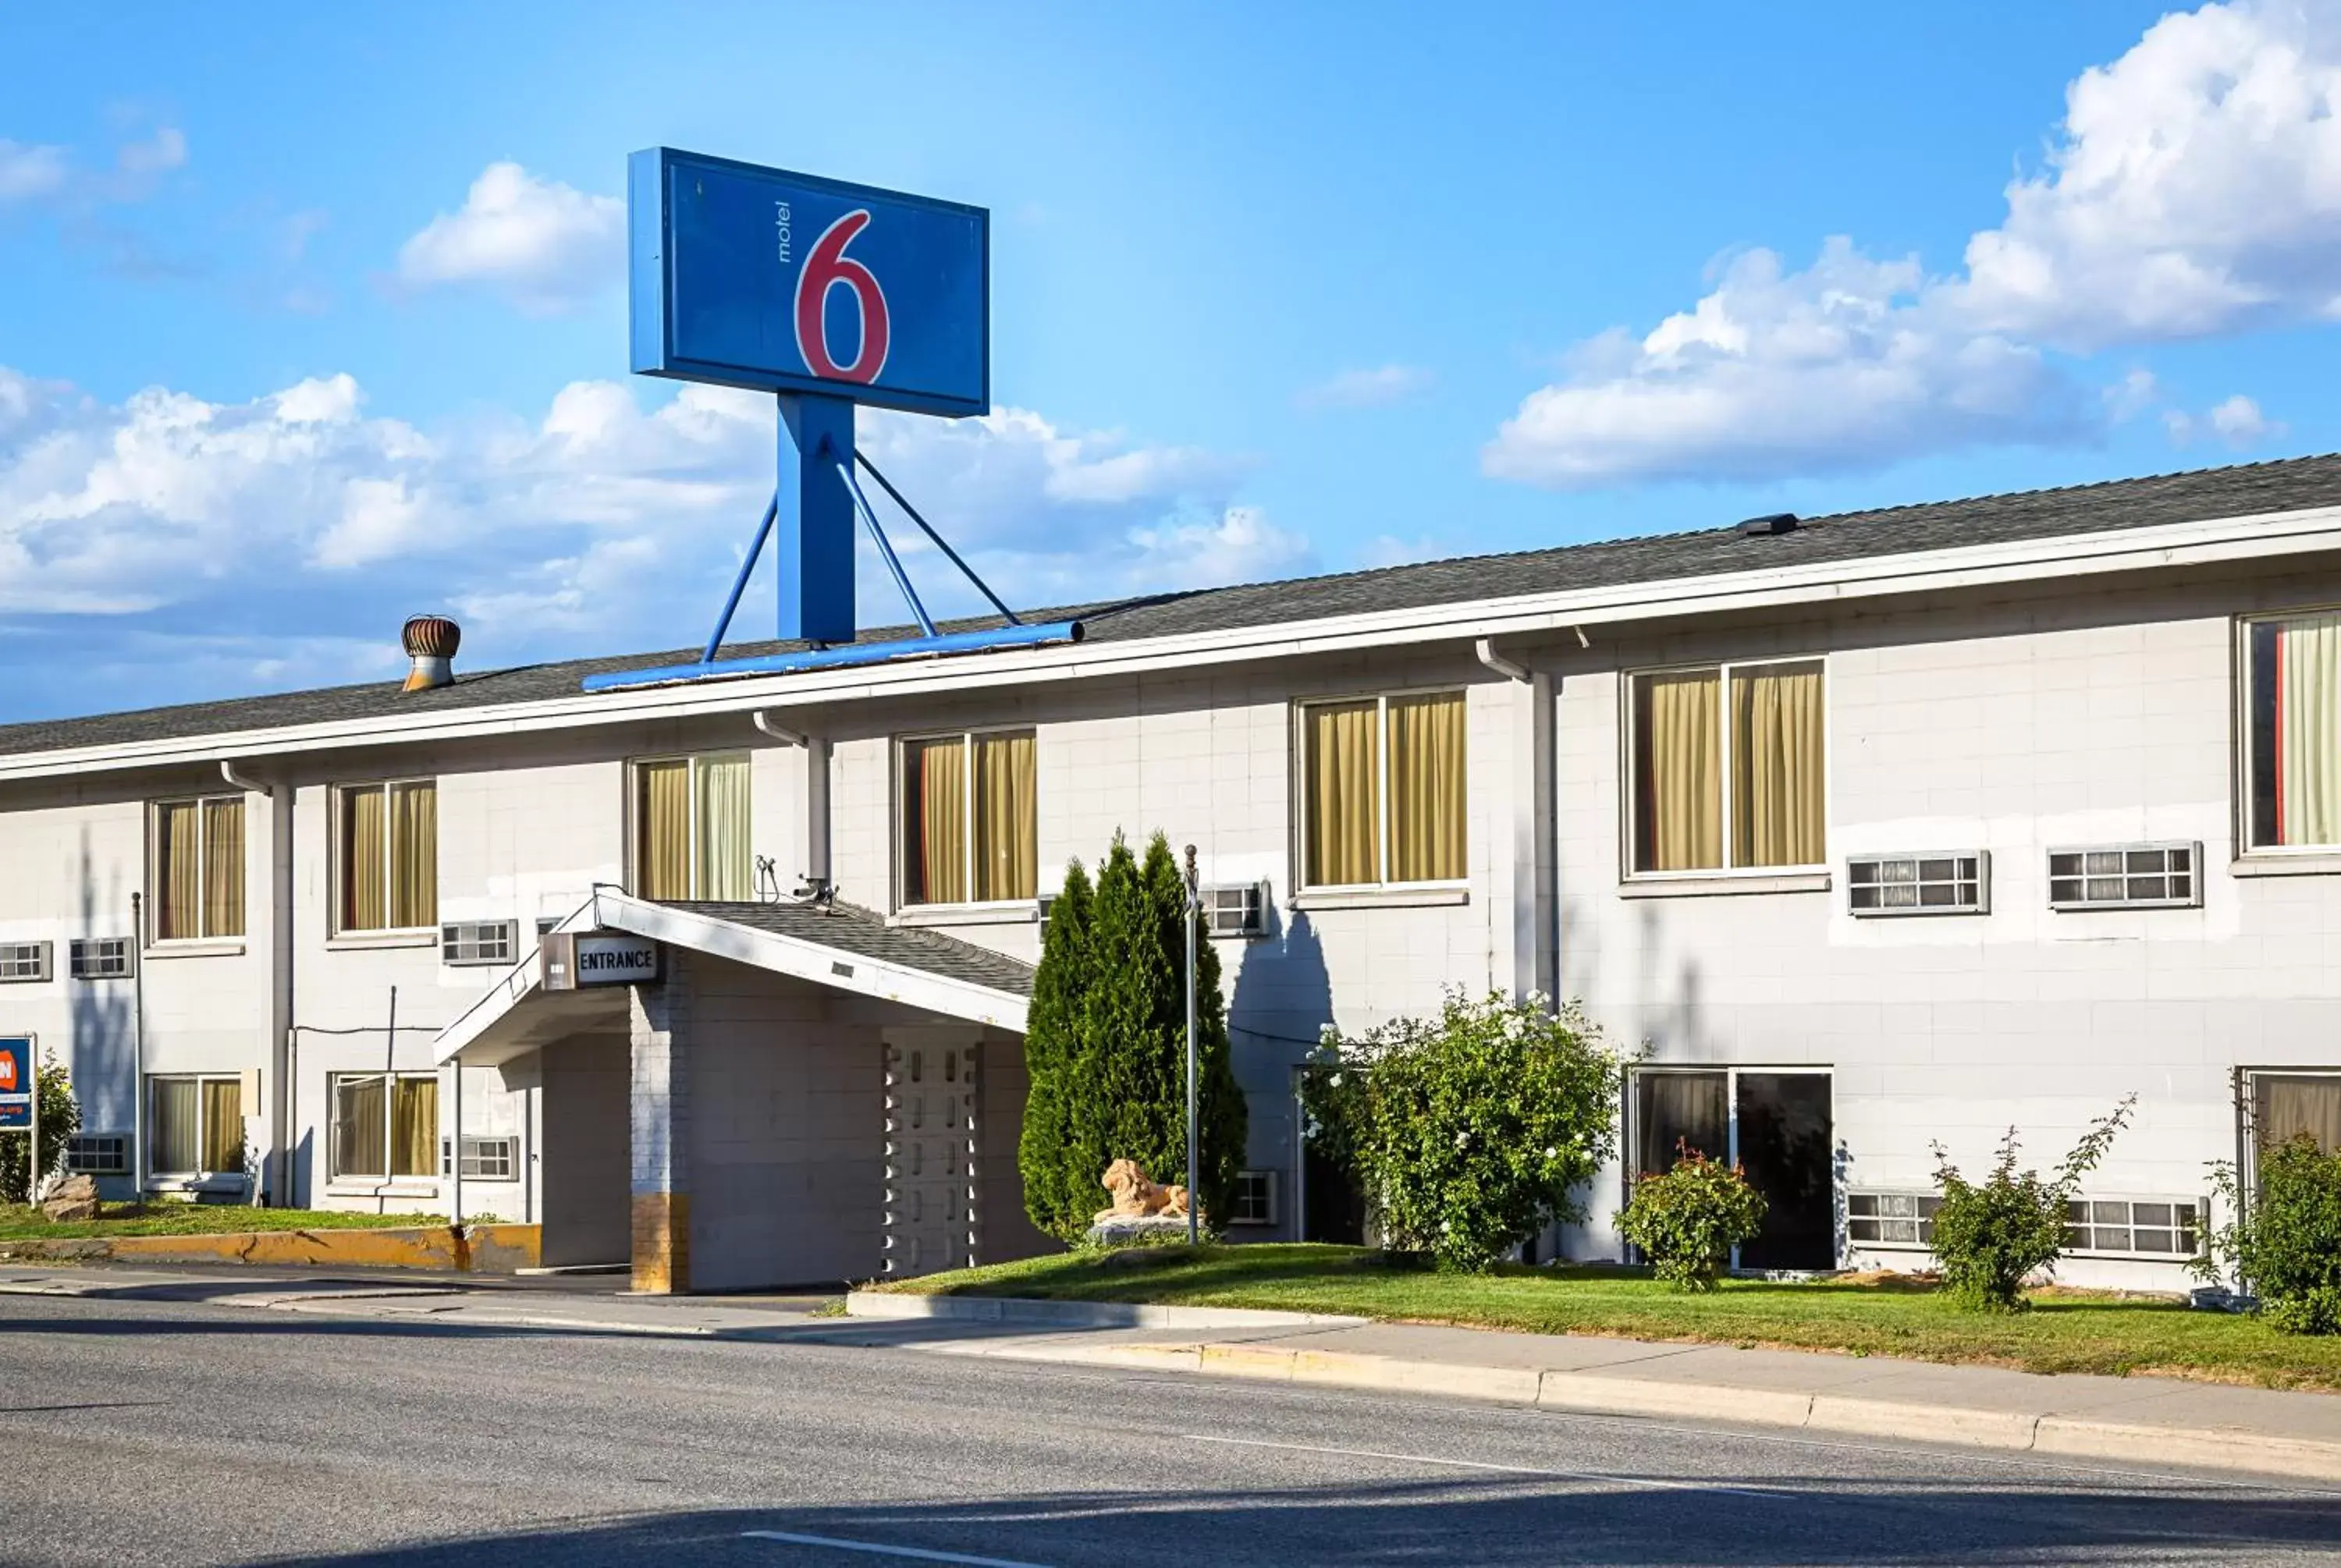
x=1278 y=1011
x=100 y=1055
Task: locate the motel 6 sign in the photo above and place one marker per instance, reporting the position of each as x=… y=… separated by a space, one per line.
x=828 y=295
x=754 y=277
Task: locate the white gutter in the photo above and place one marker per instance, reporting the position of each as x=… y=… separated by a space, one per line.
x=2206 y=543
x=800 y=959
x=1486 y=649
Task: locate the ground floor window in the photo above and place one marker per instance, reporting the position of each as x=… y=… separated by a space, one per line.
x=381 y=1135
x=195 y=1126
x=1775 y=1124
x=2287 y=1106
x=1254 y=1202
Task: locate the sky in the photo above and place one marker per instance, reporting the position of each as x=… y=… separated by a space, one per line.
x=315 y=317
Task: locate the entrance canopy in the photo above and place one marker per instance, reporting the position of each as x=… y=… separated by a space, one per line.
x=844 y=946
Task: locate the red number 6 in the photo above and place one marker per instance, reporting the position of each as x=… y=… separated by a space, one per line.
x=826 y=265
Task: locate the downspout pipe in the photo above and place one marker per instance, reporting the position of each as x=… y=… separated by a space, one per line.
x=1507 y=669
x=137 y=1052
x=1536 y=901
x=283 y=1107
x=816 y=802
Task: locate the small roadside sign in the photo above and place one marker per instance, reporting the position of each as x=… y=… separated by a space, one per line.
x=17 y=1079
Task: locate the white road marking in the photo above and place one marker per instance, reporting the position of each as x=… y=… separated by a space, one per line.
x=1651 y=1483
x=876 y=1550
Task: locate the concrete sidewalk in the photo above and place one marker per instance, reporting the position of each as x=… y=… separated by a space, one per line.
x=2147 y=1421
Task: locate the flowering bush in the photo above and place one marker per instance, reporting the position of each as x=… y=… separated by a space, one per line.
x=1687 y=1220
x=1470 y=1132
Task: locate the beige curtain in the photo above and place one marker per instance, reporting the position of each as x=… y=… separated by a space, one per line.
x=1007 y=818
x=1343 y=787
x=662 y=829
x=178 y=868
x=2290 y=1106
x=174 y=1138
x=1776 y=766
x=363 y=905
x=2308 y=731
x=1678 y=776
x=725 y=872
x=222 y=1125
x=934 y=822
x=1426 y=789
x=413 y=855
x=357 y=1126
x=414 y=1129
x=223 y=868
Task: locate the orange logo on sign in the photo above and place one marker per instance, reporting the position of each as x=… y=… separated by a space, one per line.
x=8 y=1072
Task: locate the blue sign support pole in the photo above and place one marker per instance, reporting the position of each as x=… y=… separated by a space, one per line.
x=813 y=556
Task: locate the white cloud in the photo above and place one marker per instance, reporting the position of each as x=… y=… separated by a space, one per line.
x=542 y=244
x=238 y=531
x=159 y=153
x=1777 y=373
x=2237 y=421
x=1378 y=388
x=30 y=172
x=2194 y=187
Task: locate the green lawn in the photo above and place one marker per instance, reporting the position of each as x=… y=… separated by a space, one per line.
x=18 y=1222
x=2065 y=1331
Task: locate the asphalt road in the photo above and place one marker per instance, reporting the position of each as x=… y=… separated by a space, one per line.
x=156 y=1432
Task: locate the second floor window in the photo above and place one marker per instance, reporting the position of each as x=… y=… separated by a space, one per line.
x=387 y=854
x=691 y=829
x=2293 y=694
x=1727 y=768
x=970 y=818
x=1382 y=790
x=198 y=868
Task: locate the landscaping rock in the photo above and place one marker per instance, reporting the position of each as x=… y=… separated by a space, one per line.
x=1137 y=1230
x=74 y=1198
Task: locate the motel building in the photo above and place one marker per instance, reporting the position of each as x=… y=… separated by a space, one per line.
x=1868 y=832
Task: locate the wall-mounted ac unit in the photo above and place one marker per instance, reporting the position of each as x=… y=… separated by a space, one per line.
x=1235 y=910
x=464 y=942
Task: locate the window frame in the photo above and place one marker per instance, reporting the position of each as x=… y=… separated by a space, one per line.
x=80 y=948
x=692 y=761
x=966 y=736
x=154 y=873
x=1629 y=796
x=2049 y=877
x=334 y=1174
x=473 y=1155
x=42 y=953
x=77 y=1161
x=2246 y=1090
x=337 y=866
x=1270 y=1188
x=154 y=1171
x=2246 y=786
x=1380 y=698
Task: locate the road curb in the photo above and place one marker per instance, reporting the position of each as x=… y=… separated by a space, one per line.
x=1586 y=1393
x=886 y=1304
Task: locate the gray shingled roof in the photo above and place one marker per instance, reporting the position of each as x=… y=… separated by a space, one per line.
x=2290 y=485
x=850 y=928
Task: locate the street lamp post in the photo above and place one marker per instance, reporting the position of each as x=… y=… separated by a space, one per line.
x=1194 y=1120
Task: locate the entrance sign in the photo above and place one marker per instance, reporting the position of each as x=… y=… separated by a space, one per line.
x=755 y=277
x=574 y=959
x=17 y=1077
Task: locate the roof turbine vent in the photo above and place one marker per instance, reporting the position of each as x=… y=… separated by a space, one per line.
x=431 y=641
x=1769 y=524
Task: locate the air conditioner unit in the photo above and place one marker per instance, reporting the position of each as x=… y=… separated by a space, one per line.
x=1235 y=910
x=464 y=942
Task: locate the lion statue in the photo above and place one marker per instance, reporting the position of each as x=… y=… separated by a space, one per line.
x=1136 y=1196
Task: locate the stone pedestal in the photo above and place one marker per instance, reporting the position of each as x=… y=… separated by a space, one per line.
x=1133 y=1230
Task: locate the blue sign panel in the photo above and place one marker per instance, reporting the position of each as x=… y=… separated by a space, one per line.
x=15 y=1084
x=754 y=277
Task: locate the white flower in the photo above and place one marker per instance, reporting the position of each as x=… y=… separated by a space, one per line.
x=1462 y=1139
x=1551 y=1152
x=1334 y=1080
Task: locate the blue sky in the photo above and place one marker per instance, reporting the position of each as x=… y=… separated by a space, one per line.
x=315 y=316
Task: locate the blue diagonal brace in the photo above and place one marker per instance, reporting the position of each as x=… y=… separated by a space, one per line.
x=941 y=544
x=740 y=583
x=886 y=549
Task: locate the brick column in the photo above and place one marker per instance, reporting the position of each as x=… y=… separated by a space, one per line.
x=658 y=1020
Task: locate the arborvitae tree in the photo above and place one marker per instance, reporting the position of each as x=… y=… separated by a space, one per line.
x=1105 y=1045
x=1059 y=1179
